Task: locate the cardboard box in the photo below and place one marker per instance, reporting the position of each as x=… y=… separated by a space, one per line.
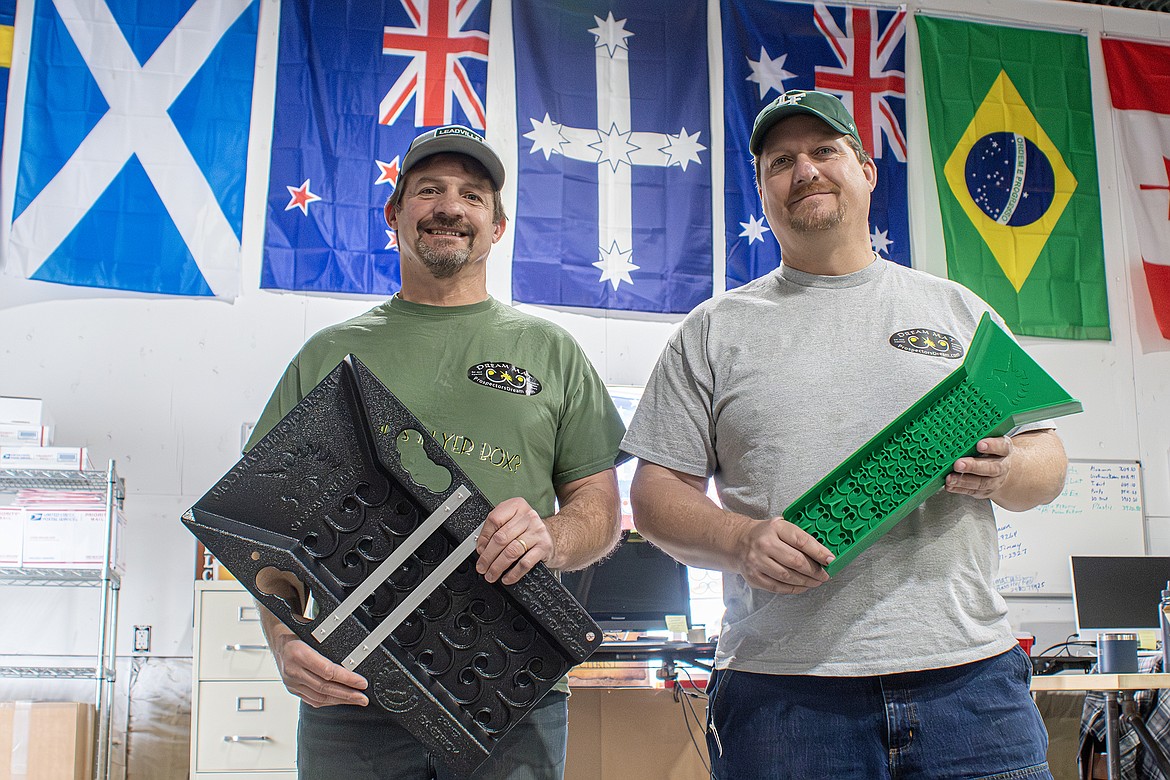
x=46 y=740
x=58 y=458
x=25 y=435
x=22 y=411
x=11 y=536
x=69 y=538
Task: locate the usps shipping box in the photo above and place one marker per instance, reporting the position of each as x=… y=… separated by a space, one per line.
x=42 y=740
x=11 y=536
x=25 y=435
x=57 y=458
x=22 y=411
x=69 y=538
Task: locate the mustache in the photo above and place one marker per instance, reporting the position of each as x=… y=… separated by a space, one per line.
x=809 y=189
x=447 y=224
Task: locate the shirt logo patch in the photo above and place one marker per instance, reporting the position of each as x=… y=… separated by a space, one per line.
x=924 y=341
x=504 y=376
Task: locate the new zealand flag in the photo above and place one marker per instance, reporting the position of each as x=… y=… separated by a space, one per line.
x=352 y=90
x=614 y=202
x=856 y=53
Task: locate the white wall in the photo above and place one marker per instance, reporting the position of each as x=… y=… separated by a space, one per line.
x=162 y=385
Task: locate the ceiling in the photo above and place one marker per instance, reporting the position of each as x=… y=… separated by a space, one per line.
x=1144 y=5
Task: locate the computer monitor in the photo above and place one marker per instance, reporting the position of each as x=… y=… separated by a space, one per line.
x=634 y=589
x=1117 y=592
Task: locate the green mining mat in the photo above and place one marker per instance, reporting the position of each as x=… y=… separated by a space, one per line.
x=997 y=387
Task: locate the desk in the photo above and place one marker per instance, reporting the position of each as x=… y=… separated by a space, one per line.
x=1118 y=690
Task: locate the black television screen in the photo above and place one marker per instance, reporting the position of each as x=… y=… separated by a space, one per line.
x=634 y=589
x=1118 y=591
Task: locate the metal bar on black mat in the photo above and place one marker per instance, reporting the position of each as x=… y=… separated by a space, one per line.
x=411 y=602
x=387 y=567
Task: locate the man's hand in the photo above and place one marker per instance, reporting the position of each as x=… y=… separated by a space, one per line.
x=1016 y=472
x=513 y=540
x=776 y=555
x=312 y=677
x=983 y=475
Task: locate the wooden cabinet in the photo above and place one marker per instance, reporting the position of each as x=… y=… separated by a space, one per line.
x=243 y=721
x=617 y=733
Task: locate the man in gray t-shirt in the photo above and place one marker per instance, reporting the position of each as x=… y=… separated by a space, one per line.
x=904 y=662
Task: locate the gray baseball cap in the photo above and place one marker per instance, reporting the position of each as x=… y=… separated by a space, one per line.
x=828 y=108
x=454 y=139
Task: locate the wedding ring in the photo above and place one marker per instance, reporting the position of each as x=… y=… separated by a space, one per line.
x=522 y=544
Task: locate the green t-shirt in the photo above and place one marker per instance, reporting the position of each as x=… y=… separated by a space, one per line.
x=511 y=397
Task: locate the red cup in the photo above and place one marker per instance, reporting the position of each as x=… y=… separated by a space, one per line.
x=1026 y=641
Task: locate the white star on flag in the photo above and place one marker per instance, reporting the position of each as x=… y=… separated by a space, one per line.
x=611 y=34
x=391 y=239
x=301 y=197
x=754 y=229
x=880 y=243
x=614 y=146
x=546 y=136
x=615 y=265
x=769 y=73
x=682 y=149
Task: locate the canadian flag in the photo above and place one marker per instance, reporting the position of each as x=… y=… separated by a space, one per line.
x=1139 y=85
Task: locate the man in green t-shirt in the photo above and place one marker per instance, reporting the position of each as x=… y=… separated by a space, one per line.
x=512 y=398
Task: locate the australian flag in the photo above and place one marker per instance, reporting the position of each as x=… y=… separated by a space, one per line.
x=134 y=144
x=856 y=53
x=614 y=194
x=353 y=88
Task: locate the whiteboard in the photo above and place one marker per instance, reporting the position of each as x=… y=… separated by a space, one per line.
x=1098 y=513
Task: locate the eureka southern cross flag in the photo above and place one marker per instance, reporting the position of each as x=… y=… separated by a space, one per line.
x=853 y=52
x=614 y=186
x=355 y=83
x=1011 y=132
x=134 y=144
x=1139 y=84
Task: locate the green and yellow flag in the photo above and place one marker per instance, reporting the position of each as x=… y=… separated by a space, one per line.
x=1011 y=133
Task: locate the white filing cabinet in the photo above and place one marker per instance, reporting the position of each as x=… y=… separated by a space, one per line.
x=243 y=721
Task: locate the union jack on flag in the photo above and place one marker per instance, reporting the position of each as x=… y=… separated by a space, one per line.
x=436 y=42
x=350 y=80
x=864 y=80
x=855 y=53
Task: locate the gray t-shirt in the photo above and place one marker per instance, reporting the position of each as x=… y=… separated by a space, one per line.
x=768 y=388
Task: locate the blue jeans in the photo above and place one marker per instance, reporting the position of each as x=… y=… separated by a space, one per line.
x=361 y=743
x=964 y=722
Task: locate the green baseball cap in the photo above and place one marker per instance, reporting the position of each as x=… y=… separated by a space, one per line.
x=828 y=108
x=454 y=139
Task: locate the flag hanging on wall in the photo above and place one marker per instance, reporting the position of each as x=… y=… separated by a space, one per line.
x=855 y=53
x=134 y=144
x=352 y=91
x=1011 y=133
x=7 y=19
x=1139 y=85
x=614 y=184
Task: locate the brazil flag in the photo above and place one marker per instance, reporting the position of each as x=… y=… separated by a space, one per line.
x=1011 y=134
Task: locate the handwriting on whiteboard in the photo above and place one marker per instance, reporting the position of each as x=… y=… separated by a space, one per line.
x=1103 y=487
x=1099 y=511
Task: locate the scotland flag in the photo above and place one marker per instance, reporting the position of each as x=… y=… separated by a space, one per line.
x=614 y=201
x=856 y=53
x=134 y=144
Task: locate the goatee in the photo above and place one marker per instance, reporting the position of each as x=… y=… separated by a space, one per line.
x=443 y=264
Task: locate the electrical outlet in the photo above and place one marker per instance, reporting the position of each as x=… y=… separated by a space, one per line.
x=141 y=639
